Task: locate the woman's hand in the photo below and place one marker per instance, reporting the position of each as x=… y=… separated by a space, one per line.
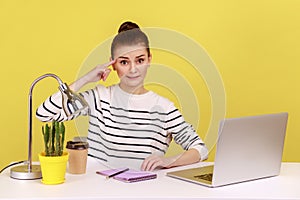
x=154 y=161
x=100 y=72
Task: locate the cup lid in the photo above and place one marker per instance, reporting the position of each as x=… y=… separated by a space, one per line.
x=77 y=145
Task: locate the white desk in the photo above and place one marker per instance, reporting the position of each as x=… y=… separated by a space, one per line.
x=93 y=186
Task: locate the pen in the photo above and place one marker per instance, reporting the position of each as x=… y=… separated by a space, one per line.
x=117 y=173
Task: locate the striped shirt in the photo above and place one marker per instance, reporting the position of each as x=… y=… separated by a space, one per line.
x=126 y=128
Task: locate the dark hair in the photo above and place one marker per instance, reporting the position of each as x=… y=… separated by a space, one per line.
x=129 y=33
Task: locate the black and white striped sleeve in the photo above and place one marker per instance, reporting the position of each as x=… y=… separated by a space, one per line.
x=51 y=109
x=184 y=133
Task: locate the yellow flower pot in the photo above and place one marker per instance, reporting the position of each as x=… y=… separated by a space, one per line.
x=53 y=168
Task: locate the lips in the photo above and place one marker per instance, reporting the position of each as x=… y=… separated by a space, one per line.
x=133 y=77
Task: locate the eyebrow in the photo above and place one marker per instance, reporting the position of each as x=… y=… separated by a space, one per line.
x=123 y=57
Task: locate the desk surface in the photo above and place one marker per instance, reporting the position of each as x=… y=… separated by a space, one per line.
x=93 y=186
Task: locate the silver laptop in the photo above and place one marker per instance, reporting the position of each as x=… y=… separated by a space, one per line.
x=248 y=148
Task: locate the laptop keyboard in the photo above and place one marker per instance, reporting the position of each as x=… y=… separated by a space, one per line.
x=207 y=177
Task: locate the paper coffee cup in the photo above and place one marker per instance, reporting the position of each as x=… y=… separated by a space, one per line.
x=77 y=157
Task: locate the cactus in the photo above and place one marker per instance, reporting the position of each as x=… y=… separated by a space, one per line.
x=62 y=132
x=54 y=137
x=46 y=132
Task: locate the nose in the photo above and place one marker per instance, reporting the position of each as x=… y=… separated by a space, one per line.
x=132 y=67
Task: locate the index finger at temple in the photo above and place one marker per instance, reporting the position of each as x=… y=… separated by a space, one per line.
x=105 y=65
x=109 y=63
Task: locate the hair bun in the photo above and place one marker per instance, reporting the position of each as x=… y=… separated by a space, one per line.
x=127 y=26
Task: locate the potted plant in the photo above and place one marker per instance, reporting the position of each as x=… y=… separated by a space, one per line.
x=53 y=160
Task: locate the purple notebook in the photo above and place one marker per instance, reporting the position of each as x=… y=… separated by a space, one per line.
x=130 y=175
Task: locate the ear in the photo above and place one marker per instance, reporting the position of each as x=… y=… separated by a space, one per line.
x=113 y=65
x=150 y=57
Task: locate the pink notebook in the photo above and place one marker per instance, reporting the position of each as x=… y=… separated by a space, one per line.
x=130 y=175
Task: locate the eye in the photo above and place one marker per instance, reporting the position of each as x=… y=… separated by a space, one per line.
x=140 y=60
x=123 y=62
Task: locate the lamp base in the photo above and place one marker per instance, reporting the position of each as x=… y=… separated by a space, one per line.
x=22 y=173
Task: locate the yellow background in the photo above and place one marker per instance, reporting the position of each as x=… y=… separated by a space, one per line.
x=254 y=44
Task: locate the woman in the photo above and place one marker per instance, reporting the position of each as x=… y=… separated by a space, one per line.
x=129 y=125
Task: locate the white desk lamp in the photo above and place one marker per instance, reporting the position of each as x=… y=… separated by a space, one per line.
x=71 y=104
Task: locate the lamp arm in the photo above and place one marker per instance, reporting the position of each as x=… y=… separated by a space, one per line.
x=30 y=114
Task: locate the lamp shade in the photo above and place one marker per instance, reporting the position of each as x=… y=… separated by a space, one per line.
x=72 y=103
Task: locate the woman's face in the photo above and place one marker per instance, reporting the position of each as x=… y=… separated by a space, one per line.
x=131 y=64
